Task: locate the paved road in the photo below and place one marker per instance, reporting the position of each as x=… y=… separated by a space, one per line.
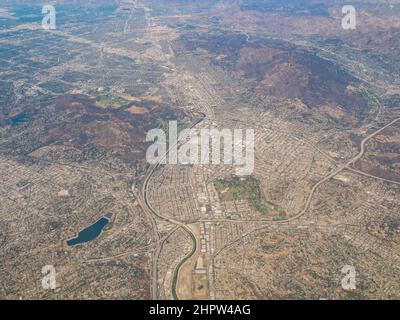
x=312 y=192
x=146 y=206
x=339 y=170
x=372 y=176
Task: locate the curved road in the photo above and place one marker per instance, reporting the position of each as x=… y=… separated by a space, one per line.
x=312 y=192
x=147 y=207
x=144 y=203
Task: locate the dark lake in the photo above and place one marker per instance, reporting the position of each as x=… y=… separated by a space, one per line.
x=90 y=233
x=21 y=118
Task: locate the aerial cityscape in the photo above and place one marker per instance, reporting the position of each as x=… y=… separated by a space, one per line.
x=199 y=150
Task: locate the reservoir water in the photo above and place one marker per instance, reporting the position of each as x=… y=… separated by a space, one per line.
x=90 y=233
x=21 y=118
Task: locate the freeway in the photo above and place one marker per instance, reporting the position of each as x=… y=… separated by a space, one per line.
x=312 y=192
x=342 y=167
x=143 y=200
x=148 y=209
